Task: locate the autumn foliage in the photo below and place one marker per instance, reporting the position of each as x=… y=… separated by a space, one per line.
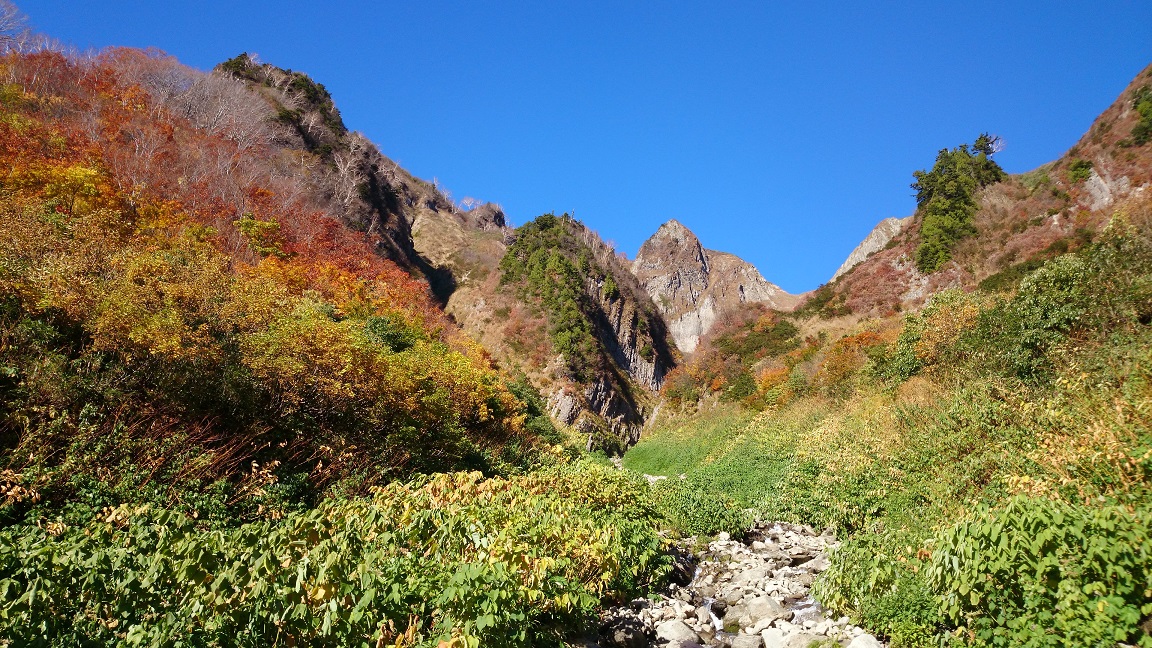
x=168 y=275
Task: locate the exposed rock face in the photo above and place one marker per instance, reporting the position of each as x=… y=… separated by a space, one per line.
x=354 y=181
x=885 y=231
x=633 y=349
x=693 y=286
x=1101 y=191
x=614 y=402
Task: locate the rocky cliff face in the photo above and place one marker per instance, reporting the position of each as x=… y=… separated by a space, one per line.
x=619 y=410
x=629 y=351
x=347 y=173
x=885 y=231
x=693 y=286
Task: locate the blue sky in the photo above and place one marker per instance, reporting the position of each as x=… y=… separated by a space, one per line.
x=778 y=131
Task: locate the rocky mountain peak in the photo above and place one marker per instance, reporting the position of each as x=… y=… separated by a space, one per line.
x=672 y=244
x=693 y=286
x=674 y=230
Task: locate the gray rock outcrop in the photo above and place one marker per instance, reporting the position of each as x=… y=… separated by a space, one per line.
x=693 y=287
x=885 y=231
x=749 y=594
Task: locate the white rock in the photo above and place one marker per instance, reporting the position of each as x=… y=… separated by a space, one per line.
x=865 y=641
x=676 y=630
x=747 y=641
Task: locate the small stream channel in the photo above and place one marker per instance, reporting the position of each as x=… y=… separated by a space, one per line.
x=733 y=594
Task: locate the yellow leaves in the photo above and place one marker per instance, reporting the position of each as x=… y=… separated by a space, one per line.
x=75 y=189
x=264 y=237
x=13 y=491
x=949 y=315
x=165 y=302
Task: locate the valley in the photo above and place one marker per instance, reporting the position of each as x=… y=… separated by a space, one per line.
x=260 y=385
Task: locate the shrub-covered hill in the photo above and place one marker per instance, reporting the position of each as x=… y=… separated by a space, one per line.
x=988 y=458
x=176 y=308
x=218 y=401
x=600 y=346
x=974 y=225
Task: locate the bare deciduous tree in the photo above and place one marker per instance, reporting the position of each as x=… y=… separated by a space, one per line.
x=349 y=174
x=13 y=26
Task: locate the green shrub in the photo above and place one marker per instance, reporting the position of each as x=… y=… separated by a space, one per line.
x=1079 y=170
x=391 y=333
x=1009 y=277
x=1142 y=104
x=694 y=507
x=486 y=562
x=945 y=198
x=878 y=579
x=1038 y=572
x=542 y=267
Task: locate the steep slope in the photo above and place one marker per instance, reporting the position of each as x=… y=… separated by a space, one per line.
x=885 y=231
x=355 y=181
x=1019 y=221
x=552 y=301
x=694 y=287
x=205 y=372
x=455 y=249
x=205 y=309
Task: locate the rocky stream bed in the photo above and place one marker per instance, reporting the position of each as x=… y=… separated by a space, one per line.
x=731 y=594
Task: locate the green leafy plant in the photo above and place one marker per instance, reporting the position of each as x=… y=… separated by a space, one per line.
x=453 y=558
x=1079 y=170
x=1142 y=104
x=1037 y=572
x=694 y=507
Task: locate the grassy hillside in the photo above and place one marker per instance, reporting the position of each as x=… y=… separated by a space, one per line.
x=971 y=224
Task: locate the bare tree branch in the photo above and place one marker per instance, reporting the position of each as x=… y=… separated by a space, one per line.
x=13 y=26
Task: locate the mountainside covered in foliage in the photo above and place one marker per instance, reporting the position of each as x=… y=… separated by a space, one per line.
x=260 y=386
x=986 y=448
x=218 y=395
x=168 y=281
x=552 y=301
x=989 y=457
x=987 y=228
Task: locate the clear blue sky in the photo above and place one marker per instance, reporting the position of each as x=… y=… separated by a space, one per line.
x=779 y=131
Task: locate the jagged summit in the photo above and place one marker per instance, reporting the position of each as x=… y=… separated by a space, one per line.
x=694 y=286
x=676 y=231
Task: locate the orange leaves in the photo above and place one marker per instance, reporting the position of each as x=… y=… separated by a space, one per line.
x=771 y=377
x=844 y=360
x=145 y=229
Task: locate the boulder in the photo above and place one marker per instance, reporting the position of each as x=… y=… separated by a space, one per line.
x=750 y=576
x=623 y=632
x=865 y=641
x=802 y=640
x=676 y=630
x=751 y=611
x=747 y=641
x=774 y=638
